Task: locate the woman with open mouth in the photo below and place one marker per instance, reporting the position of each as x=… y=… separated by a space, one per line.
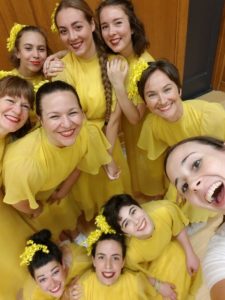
x=157 y=244
x=124 y=36
x=108 y=277
x=171 y=120
x=84 y=67
x=41 y=169
x=53 y=268
x=196 y=166
x=16 y=101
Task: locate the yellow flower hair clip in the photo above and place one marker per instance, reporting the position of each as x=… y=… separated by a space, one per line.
x=30 y=249
x=136 y=71
x=102 y=227
x=53 y=25
x=12 y=36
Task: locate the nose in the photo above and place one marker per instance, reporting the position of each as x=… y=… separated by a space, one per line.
x=72 y=35
x=162 y=99
x=65 y=122
x=111 y=30
x=195 y=185
x=108 y=264
x=51 y=283
x=17 y=108
x=35 y=53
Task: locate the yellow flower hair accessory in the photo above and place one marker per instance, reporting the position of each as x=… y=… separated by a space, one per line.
x=12 y=36
x=53 y=25
x=136 y=71
x=102 y=227
x=39 y=84
x=5 y=73
x=30 y=249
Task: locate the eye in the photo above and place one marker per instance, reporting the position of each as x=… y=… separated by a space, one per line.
x=72 y=113
x=56 y=272
x=42 y=280
x=42 y=49
x=196 y=164
x=118 y=22
x=104 y=27
x=10 y=100
x=26 y=106
x=100 y=257
x=62 y=31
x=54 y=117
x=184 y=187
x=168 y=89
x=28 y=48
x=150 y=95
x=133 y=211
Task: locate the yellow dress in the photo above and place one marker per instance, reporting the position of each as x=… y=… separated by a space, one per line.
x=130 y=285
x=12 y=245
x=161 y=256
x=33 y=168
x=199 y=118
x=77 y=264
x=135 y=156
x=91 y=192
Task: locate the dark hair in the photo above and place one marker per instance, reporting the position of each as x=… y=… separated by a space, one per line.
x=51 y=87
x=41 y=258
x=113 y=206
x=139 y=40
x=204 y=140
x=15 y=86
x=102 y=56
x=162 y=65
x=119 y=238
x=13 y=57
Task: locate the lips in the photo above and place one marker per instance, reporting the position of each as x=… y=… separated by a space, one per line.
x=36 y=63
x=108 y=275
x=67 y=133
x=215 y=194
x=56 y=289
x=115 y=41
x=13 y=119
x=142 y=225
x=76 y=46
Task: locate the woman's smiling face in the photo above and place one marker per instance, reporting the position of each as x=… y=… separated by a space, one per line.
x=198 y=172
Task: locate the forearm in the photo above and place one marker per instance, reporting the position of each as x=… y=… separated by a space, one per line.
x=183 y=239
x=112 y=127
x=24 y=207
x=67 y=185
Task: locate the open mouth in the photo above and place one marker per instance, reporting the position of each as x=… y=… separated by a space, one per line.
x=115 y=42
x=56 y=289
x=108 y=275
x=215 y=193
x=142 y=225
x=76 y=46
x=67 y=133
x=12 y=118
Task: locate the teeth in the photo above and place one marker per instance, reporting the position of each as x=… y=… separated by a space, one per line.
x=209 y=196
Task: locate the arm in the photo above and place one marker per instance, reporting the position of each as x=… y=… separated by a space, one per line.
x=117 y=71
x=64 y=187
x=167 y=290
x=191 y=258
x=217 y=292
x=53 y=64
x=24 y=207
x=111 y=133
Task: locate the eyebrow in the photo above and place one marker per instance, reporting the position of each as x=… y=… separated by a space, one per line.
x=74 y=23
x=182 y=162
x=126 y=218
x=40 y=276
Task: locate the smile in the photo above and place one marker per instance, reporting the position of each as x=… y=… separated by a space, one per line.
x=12 y=118
x=36 y=63
x=215 y=192
x=165 y=107
x=108 y=275
x=142 y=225
x=56 y=289
x=67 y=133
x=76 y=46
x=115 y=41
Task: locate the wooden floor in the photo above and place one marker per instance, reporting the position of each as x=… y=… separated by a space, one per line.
x=200 y=239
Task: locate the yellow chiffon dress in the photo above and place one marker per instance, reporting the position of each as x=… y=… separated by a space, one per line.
x=77 y=263
x=91 y=192
x=13 y=232
x=199 y=118
x=130 y=285
x=33 y=168
x=136 y=156
x=161 y=256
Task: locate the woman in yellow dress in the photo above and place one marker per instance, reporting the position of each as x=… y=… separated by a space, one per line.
x=157 y=241
x=171 y=120
x=16 y=100
x=43 y=165
x=52 y=268
x=124 y=34
x=85 y=69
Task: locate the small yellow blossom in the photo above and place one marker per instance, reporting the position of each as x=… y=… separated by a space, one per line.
x=53 y=25
x=30 y=249
x=12 y=36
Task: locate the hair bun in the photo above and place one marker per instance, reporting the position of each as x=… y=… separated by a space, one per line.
x=41 y=236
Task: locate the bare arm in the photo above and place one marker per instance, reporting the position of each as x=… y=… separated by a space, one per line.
x=217 y=292
x=53 y=64
x=117 y=70
x=111 y=133
x=192 y=260
x=24 y=207
x=167 y=290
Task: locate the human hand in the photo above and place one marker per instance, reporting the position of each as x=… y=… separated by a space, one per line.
x=112 y=171
x=75 y=289
x=36 y=212
x=193 y=263
x=117 y=70
x=52 y=66
x=167 y=290
x=55 y=197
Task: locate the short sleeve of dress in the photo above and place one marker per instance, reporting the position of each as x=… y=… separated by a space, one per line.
x=148 y=140
x=22 y=179
x=97 y=153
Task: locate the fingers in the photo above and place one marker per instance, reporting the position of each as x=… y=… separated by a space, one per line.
x=52 y=68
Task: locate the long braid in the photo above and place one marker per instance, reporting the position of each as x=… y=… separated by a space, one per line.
x=103 y=58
